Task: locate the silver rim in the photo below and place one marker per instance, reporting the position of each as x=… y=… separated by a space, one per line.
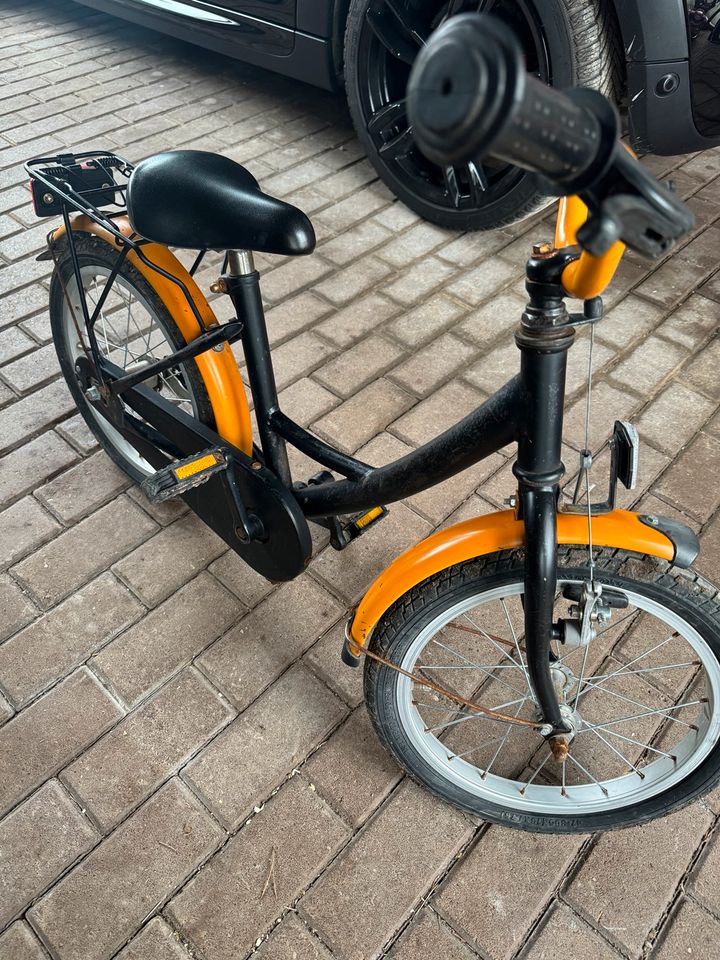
x=130 y=334
x=644 y=697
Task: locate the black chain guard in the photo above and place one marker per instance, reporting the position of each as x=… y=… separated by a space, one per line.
x=284 y=548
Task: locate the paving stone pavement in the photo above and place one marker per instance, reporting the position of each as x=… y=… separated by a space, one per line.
x=171 y=725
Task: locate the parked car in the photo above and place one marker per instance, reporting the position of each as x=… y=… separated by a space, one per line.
x=659 y=59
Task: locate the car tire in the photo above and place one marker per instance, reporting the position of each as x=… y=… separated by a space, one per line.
x=567 y=43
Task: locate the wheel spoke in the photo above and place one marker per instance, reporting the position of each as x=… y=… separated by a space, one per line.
x=454 y=7
x=457 y=653
x=517 y=645
x=470 y=666
x=502 y=743
x=495 y=641
x=537 y=771
x=389 y=125
x=615 y=673
x=397 y=28
x=622 y=736
x=635 y=673
x=589 y=685
x=587 y=773
x=477 y=716
x=451 y=185
x=619 y=754
x=478 y=182
x=661 y=712
x=398 y=146
x=478 y=631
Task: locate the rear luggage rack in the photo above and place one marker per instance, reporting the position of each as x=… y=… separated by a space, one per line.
x=88 y=183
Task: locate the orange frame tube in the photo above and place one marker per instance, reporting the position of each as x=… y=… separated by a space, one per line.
x=588 y=276
x=218 y=368
x=486 y=534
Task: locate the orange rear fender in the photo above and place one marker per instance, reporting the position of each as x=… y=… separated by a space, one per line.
x=218 y=368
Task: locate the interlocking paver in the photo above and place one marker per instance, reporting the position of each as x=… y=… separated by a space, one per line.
x=287 y=843
x=689 y=482
x=59 y=641
x=352 y=770
x=429 y=936
x=262 y=645
x=291 y=940
x=72 y=715
x=358 y=365
x=18 y=609
x=323 y=658
x=39 y=840
x=75 y=556
x=358 y=419
x=20 y=943
x=388 y=334
x=84 y=489
x=23 y=527
x=156 y=941
x=162 y=564
x=404 y=850
x=243 y=765
x=689 y=932
x=629 y=877
x=131 y=761
x=674 y=418
x=98 y=905
x=30 y=465
x=140 y=659
x=501 y=886
x=564 y=934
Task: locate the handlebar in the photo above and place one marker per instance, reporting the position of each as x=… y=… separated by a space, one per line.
x=469 y=96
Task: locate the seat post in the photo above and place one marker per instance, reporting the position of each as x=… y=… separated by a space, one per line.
x=240 y=263
x=243 y=285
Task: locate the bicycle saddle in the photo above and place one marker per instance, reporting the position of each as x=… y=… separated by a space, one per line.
x=204 y=201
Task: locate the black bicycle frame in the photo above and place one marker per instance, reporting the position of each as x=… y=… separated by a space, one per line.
x=528 y=410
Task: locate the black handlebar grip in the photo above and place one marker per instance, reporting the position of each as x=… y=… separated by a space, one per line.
x=469 y=95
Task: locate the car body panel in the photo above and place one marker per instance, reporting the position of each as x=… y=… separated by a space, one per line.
x=673 y=77
x=258 y=40
x=303 y=39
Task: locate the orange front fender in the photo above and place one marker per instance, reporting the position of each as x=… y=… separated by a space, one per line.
x=488 y=534
x=218 y=368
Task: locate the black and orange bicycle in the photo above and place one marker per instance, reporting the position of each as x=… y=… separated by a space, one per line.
x=551 y=667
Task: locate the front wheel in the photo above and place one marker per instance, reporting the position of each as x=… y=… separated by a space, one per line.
x=643 y=696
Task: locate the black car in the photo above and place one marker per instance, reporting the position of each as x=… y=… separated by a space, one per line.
x=658 y=59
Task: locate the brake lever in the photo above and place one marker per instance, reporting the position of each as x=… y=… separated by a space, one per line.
x=630 y=205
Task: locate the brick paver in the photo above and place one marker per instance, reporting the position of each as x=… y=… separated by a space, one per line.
x=186 y=768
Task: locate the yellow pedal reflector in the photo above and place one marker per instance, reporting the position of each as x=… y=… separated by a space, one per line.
x=367 y=518
x=196 y=466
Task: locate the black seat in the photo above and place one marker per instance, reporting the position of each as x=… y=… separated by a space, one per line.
x=204 y=201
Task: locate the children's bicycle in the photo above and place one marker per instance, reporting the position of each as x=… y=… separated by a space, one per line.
x=552 y=667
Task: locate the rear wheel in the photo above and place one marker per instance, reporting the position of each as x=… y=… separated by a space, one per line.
x=566 y=43
x=134 y=328
x=643 y=698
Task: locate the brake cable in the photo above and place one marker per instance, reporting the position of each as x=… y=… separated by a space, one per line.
x=454 y=697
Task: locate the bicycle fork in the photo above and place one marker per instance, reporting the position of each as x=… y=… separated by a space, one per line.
x=544 y=340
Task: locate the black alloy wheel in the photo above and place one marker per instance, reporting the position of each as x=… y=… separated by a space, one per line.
x=566 y=42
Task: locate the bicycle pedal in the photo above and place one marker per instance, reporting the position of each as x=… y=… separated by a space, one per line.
x=343 y=534
x=183 y=475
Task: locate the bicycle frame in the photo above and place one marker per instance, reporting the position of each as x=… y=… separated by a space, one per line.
x=527 y=410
